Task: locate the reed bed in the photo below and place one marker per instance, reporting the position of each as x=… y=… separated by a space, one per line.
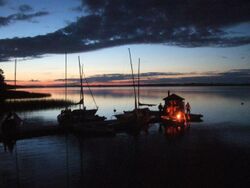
x=12 y=94
x=29 y=105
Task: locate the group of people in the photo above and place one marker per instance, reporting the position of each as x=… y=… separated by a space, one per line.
x=162 y=109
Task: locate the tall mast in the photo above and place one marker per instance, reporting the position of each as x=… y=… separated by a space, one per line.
x=133 y=77
x=84 y=76
x=81 y=89
x=139 y=63
x=15 y=74
x=82 y=86
x=66 y=83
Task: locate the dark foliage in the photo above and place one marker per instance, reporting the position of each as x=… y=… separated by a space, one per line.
x=2 y=83
x=2 y=88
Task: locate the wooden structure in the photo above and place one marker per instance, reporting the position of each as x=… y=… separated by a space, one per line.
x=174 y=111
x=173 y=105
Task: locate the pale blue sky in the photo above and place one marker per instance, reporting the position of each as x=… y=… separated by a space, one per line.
x=59 y=14
x=154 y=58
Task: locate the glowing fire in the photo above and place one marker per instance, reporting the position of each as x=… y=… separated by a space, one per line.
x=178 y=116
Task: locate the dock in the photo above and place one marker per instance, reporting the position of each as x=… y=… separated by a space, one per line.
x=26 y=131
x=110 y=128
x=193 y=117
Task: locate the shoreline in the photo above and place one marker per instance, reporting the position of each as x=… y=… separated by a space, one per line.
x=144 y=85
x=12 y=94
x=39 y=104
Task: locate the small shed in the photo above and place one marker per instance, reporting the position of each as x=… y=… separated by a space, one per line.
x=173 y=104
x=173 y=97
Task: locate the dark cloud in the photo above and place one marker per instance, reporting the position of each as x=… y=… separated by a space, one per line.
x=21 y=17
x=120 y=77
x=32 y=80
x=77 y=9
x=4 y=21
x=236 y=76
x=239 y=73
x=224 y=57
x=187 y=23
x=2 y=2
x=25 y=8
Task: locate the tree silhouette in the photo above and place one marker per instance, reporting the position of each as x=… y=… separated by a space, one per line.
x=2 y=88
x=2 y=83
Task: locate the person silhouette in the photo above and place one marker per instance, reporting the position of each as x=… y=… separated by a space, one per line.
x=160 y=107
x=188 y=108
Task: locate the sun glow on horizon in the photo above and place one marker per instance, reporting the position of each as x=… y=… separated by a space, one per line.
x=154 y=58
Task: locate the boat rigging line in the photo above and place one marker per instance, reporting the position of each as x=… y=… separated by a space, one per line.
x=81 y=91
x=84 y=76
x=133 y=77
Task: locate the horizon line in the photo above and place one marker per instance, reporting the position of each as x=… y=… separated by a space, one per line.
x=131 y=85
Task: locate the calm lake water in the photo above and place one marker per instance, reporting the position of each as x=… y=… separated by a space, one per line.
x=214 y=153
x=217 y=104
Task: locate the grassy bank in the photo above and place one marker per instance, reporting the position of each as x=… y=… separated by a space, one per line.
x=12 y=94
x=35 y=104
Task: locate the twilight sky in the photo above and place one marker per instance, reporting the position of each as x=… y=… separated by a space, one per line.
x=177 y=40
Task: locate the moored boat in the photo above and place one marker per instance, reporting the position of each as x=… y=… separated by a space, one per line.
x=138 y=117
x=81 y=117
x=69 y=116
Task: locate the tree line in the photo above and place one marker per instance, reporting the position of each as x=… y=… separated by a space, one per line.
x=2 y=88
x=2 y=82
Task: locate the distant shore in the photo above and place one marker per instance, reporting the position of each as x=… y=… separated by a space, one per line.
x=142 y=85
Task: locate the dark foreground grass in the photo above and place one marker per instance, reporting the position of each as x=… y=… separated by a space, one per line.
x=35 y=104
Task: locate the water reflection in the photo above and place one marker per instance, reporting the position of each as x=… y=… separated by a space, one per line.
x=9 y=130
x=151 y=92
x=172 y=131
x=9 y=145
x=126 y=160
x=217 y=104
x=197 y=157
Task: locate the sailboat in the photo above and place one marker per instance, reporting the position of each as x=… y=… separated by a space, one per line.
x=12 y=117
x=139 y=103
x=10 y=123
x=138 y=116
x=82 y=115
